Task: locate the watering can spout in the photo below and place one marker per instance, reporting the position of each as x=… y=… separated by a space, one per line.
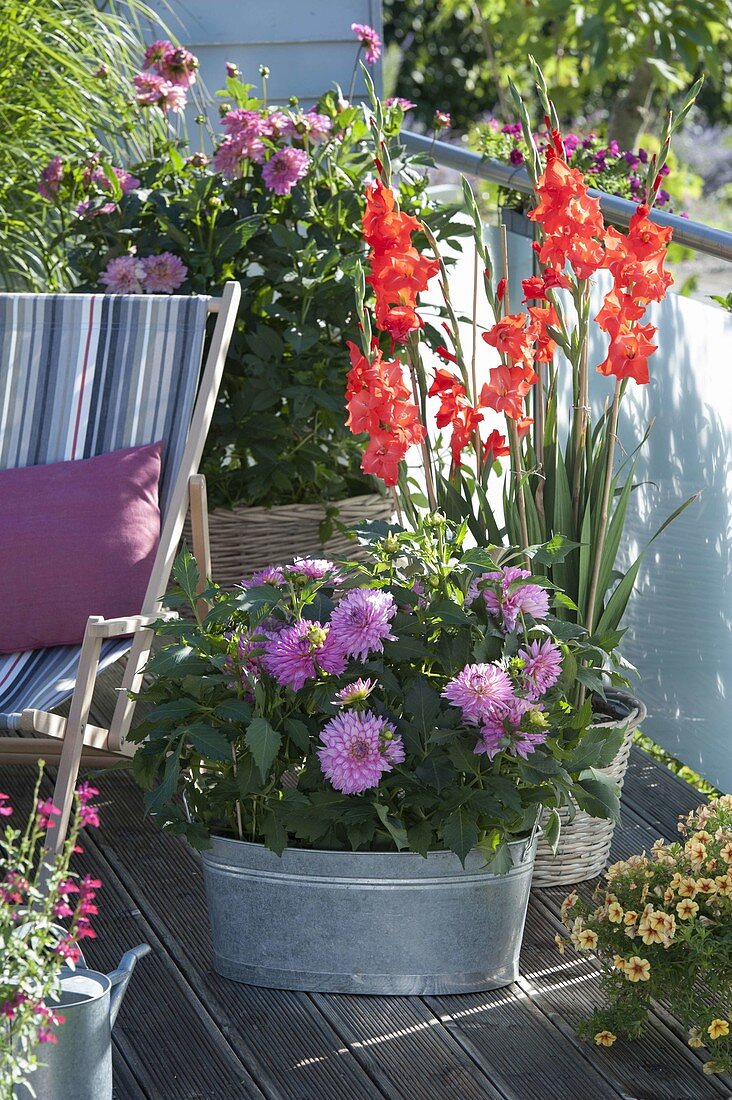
x=121 y=976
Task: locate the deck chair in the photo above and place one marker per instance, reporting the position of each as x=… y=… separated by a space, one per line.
x=82 y=375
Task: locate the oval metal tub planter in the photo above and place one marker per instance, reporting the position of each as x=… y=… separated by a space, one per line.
x=365 y=922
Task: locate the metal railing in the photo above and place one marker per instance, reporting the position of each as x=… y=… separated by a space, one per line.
x=696 y=235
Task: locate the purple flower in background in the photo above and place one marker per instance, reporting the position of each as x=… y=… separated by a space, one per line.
x=399 y=101
x=631 y=159
x=51 y=177
x=369 y=40
x=571 y=141
x=634 y=183
x=298 y=652
x=127 y=181
x=525 y=743
x=241 y=120
x=124 y=275
x=360 y=622
x=271 y=574
x=513 y=128
x=155 y=53
x=613 y=148
x=163 y=273
x=480 y=691
x=662 y=197
x=358 y=747
x=84 y=209
x=527 y=599
x=357 y=692
x=152 y=90
x=315 y=569
x=516 y=157
x=232 y=70
x=284 y=169
x=174 y=63
x=543 y=666
x=230 y=157
x=247 y=664
x=643 y=156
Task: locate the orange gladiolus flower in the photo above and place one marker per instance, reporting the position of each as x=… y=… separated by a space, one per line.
x=450 y=391
x=384 y=227
x=507 y=388
x=544 y=318
x=464 y=426
x=628 y=353
x=495 y=447
x=513 y=338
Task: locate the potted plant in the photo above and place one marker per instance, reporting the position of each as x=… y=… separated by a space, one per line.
x=563 y=487
x=661 y=927
x=366 y=749
x=277 y=205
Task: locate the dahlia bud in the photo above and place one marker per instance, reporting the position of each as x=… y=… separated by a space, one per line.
x=536 y=719
x=264 y=71
x=316 y=635
x=390 y=545
x=232 y=70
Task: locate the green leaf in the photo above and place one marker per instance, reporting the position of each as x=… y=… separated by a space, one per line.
x=406 y=649
x=264 y=743
x=597 y=794
x=420 y=837
x=394 y=827
x=155 y=800
x=597 y=749
x=234 y=710
x=422 y=703
x=552 y=829
x=449 y=612
x=248 y=780
x=500 y=862
x=460 y=832
x=210 y=743
x=274 y=833
x=172 y=711
x=186 y=574
x=298 y=733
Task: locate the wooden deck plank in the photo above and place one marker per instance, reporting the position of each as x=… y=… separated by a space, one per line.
x=657 y=795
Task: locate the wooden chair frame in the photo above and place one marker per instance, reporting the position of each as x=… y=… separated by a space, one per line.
x=72 y=741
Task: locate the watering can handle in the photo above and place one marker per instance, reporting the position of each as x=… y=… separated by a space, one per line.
x=121 y=976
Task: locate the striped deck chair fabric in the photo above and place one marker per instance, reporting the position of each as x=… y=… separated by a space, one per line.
x=81 y=375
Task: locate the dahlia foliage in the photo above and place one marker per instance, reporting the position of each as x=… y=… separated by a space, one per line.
x=661 y=926
x=485 y=413
x=37 y=894
x=417 y=699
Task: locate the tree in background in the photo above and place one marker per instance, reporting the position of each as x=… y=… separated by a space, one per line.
x=457 y=55
x=64 y=66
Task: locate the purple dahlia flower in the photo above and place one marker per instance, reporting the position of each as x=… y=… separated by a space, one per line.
x=357 y=749
x=480 y=691
x=360 y=622
x=298 y=652
x=543 y=666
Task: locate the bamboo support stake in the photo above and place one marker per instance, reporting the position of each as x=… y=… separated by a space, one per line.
x=513 y=436
x=580 y=423
x=473 y=366
x=604 y=507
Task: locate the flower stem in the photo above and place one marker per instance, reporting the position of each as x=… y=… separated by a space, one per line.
x=517 y=470
x=604 y=507
x=582 y=396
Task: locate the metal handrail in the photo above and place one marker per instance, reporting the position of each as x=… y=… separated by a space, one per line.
x=703 y=238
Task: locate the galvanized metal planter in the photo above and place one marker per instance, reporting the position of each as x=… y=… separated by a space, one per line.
x=365 y=922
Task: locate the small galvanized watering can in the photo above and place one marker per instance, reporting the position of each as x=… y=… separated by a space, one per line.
x=79 y=1065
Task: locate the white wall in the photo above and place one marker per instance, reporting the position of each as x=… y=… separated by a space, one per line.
x=307 y=44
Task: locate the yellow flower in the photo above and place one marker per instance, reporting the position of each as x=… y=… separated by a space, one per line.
x=569 y=903
x=724 y=882
x=726 y=852
x=618 y=962
x=586 y=940
x=652 y=927
x=668 y=896
x=687 y=909
x=615 y=912
x=687 y=888
x=718 y=1029
x=605 y=1038
x=703 y=836
x=560 y=942
x=630 y=916
x=676 y=881
x=637 y=969
x=695 y=1039
x=706 y=886
x=696 y=851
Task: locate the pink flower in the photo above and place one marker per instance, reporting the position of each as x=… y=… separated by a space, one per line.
x=271 y=574
x=127 y=181
x=298 y=652
x=442 y=120
x=480 y=691
x=51 y=177
x=357 y=749
x=543 y=667
x=243 y=121
x=509 y=603
x=124 y=275
x=354 y=693
x=360 y=622
x=5 y=811
x=155 y=53
x=369 y=40
x=504 y=731
x=152 y=90
x=89 y=815
x=163 y=273
x=46 y=812
x=399 y=101
x=284 y=169
x=176 y=64
x=311 y=126
x=86 y=792
x=315 y=569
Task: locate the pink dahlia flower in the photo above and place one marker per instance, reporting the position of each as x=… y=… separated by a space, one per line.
x=178 y=66
x=527 y=599
x=360 y=622
x=357 y=749
x=311 y=126
x=480 y=691
x=271 y=574
x=124 y=275
x=543 y=666
x=315 y=569
x=152 y=90
x=163 y=273
x=354 y=693
x=155 y=53
x=241 y=120
x=369 y=40
x=298 y=652
x=51 y=177
x=84 y=209
x=507 y=728
x=284 y=169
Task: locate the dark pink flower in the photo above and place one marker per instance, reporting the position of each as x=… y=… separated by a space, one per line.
x=51 y=177
x=399 y=101
x=542 y=668
x=284 y=169
x=5 y=811
x=370 y=41
x=297 y=653
x=46 y=812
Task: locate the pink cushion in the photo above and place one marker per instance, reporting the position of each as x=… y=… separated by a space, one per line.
x=76 y=539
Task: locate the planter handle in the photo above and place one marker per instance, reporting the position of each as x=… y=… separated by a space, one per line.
x=121 y=976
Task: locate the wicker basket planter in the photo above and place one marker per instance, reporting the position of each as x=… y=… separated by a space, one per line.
x=245 y=539
x=584 y=843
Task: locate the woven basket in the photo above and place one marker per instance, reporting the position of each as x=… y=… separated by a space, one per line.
x=584 y=842
x=245 y=539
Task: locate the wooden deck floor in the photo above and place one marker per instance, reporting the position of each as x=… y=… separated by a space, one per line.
x=186 y=1034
